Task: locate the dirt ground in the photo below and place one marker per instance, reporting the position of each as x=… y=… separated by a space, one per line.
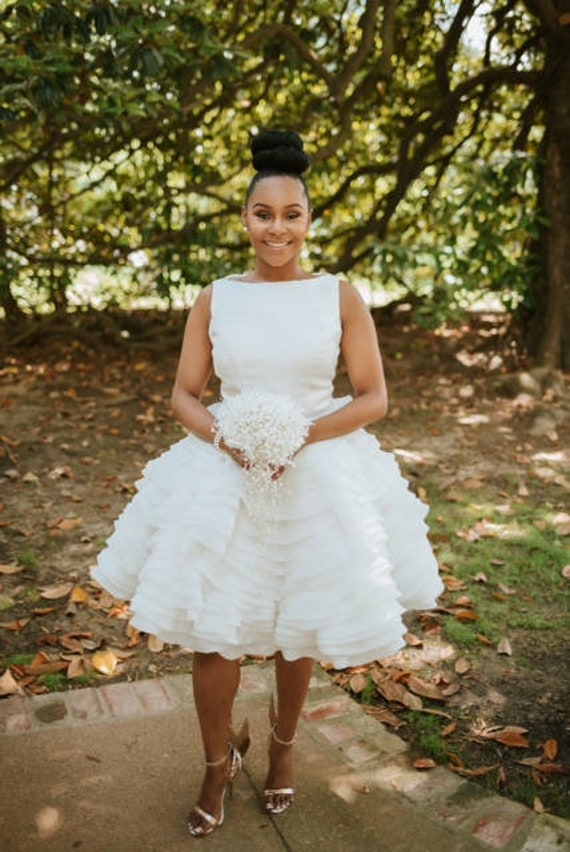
x=85 y=404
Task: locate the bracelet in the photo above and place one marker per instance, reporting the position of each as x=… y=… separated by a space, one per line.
x=217 y=436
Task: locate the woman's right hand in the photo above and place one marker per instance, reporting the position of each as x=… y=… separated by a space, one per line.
x=236 y=454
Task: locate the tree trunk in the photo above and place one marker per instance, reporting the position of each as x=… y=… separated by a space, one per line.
x=552 y=319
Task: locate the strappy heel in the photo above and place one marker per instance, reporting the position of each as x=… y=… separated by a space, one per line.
x=277 y=800
x=237 y=748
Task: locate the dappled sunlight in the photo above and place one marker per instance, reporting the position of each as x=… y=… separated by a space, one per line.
x=49 y=821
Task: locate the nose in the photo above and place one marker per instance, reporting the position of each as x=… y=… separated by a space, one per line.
x=277 y=226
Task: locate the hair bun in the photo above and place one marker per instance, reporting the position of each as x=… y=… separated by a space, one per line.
x=279 y=151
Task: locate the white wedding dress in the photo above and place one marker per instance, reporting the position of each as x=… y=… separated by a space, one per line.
x=348 y=551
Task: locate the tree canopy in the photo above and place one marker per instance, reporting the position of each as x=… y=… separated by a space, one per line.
x=438 y=132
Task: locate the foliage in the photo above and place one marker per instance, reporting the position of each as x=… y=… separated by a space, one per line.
x=125 y=130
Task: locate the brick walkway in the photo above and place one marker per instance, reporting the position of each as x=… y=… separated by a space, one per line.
x=358 y=754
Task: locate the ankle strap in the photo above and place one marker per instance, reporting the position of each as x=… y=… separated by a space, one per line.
x=282 y=742
x=216 y=762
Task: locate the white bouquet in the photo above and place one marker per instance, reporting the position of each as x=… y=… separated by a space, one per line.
x=269 y=429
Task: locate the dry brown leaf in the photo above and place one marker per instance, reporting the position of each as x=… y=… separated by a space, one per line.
x=155 y=645
x=474 y=773
x=424 y=763
x=71 y=643
x=382 y=714
x=104 y=662
x=566 y=572
x=43 y=610
x=396 y=692
x=504 y=647
x=463 y=600
x=59 y=590
x=17 y=625
x=552 y=768
x=480 y=577
x=550 y=749
x=79 y=595
x=47 y=667
x=357 y=682
x=537 y=806
x=449 y=729
x=511 y=736
x=78 y=665
x=453 y=584
x=413 y=641
x=8 y=685
x=462 y=666
x=465 y=615
x=11 y=569
x=424 y=688
x=67 y=524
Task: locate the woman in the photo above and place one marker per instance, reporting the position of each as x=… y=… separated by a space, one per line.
x=346 y=550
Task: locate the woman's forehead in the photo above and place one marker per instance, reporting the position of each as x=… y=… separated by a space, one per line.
x=278 y=190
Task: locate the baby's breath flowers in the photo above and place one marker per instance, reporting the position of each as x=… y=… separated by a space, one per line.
x=268 y=428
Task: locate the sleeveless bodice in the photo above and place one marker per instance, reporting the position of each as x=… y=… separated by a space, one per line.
x=280 y=337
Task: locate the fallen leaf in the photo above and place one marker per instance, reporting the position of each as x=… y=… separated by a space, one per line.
x=104 y=662
x=11 y=569
x=47 y=667
x=480 y=577
x=413 y=641
x=357 y=682
x=424 y=688
x=67 y=524
x=382 y=714
x=504 y=647
x=424 y=763
x=550 y=749
x=474 y=773
x=511 y=736
x=8 y=685
x=79 y=595
x=453 y=584
x=44 y=610
x=537 y=806
x=465 y=615
x=462 y=666
x=396 y=692
x=17 y=625
x=59 y=590
x=566 y=572
x=552 y=768
x=78 y=666
x=449 y=729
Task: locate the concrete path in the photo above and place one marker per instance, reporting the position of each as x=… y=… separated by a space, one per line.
x=116 y=768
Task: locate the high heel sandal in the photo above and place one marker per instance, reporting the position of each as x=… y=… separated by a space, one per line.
x=237 y=748
x=278 y=799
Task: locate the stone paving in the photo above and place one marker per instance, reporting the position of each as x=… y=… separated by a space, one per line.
x=333 y=728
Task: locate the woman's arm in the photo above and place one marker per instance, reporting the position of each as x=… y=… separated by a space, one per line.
x=359 y=346
x=194 y=370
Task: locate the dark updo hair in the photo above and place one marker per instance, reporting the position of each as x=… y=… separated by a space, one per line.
x=278 y=153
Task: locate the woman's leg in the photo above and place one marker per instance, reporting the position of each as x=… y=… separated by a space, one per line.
x=292 y=679
x=215 y=682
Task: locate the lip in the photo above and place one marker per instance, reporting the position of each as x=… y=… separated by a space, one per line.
x=277 y=245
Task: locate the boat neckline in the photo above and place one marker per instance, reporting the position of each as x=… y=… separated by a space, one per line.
x=236 y=279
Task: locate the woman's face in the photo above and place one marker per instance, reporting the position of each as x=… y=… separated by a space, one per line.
x=277 y=218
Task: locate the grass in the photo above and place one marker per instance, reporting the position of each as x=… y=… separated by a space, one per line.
x=425 y=736
x=521 y=557
x=28 y=559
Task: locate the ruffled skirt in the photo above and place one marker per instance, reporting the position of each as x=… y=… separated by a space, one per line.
x=346 y=555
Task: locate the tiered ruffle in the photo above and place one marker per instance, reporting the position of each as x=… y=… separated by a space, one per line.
x=330 y=579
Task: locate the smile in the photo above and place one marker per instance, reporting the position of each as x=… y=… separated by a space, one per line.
x=277 y=245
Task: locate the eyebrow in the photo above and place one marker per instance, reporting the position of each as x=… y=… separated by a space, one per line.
x=270 y=207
